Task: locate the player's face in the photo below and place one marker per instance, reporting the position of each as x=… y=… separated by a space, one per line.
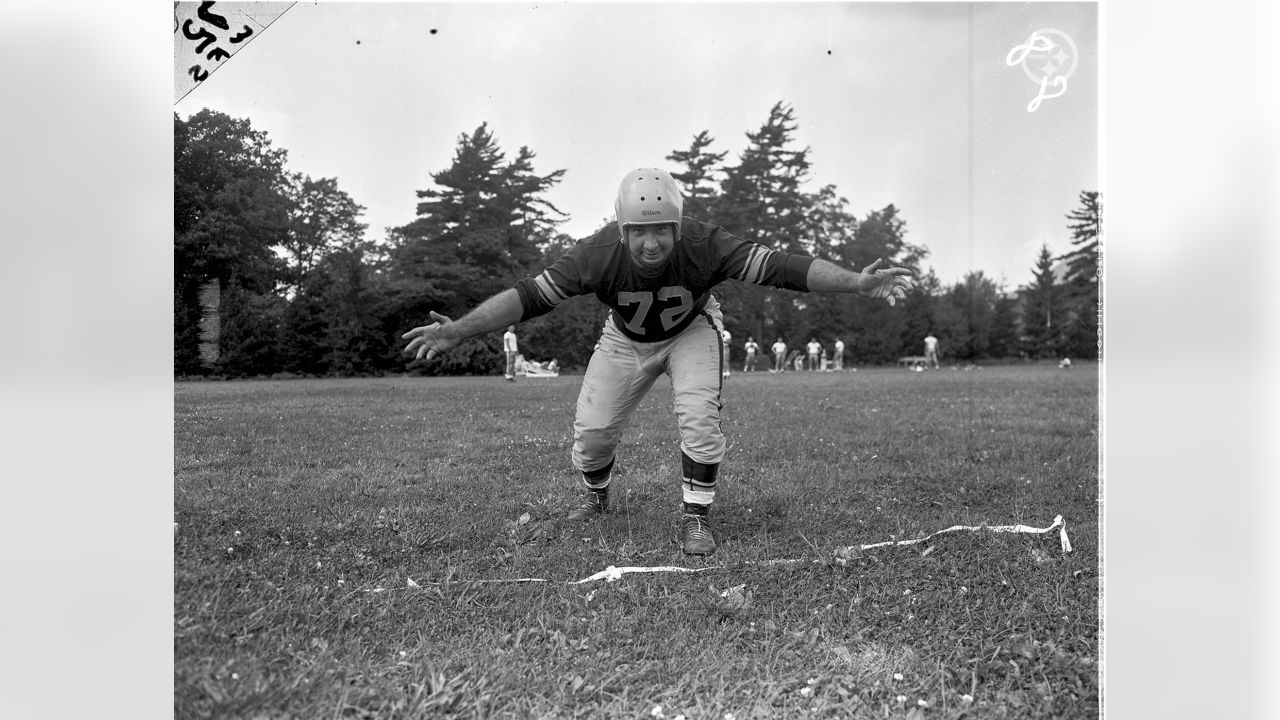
x=650 y=245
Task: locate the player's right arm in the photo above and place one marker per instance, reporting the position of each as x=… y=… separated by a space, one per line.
x=442 y=335
x=529 y=298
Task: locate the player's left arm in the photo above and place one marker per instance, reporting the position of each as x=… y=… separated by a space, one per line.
x=889 y=284
x=755 y=263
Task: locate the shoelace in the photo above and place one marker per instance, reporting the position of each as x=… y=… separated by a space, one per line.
x=696 y=527
x=593 y=502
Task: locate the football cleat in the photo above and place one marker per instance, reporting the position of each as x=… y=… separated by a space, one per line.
x=595 y=504
x=695 y=535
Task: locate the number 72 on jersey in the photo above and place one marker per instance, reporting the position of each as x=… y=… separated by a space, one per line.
x=672 y=312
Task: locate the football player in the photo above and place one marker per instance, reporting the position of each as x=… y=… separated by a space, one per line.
x=655 y=269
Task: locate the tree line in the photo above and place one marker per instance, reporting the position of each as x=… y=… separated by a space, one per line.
x=274 y=272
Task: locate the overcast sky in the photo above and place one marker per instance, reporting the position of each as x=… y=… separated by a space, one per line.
x=906 y=103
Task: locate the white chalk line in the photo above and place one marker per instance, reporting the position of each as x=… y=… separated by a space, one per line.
x=1058 y=523
x=842 y=556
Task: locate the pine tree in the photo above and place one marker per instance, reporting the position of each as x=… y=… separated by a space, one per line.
x=1086 y=230
x=1004 y=327
x=532 y=218
x=762 y=201
x=476 y=232
x=1042 y=310
x=973 y=301
x=1083 y=277
x=698 y=179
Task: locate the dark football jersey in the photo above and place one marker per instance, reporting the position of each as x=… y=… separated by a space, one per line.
x=655 y=308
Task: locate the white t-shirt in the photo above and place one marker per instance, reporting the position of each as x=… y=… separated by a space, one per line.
x=509 y=341
x=814 y=348
x=725 y=336
x=779 y=348
x=931 y=344
x=839 y=346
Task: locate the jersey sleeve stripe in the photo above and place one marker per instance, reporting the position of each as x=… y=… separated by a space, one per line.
x=547 y=288
x=746 y=265
x=754 y=271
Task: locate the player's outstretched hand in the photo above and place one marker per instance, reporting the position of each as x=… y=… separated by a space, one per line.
x=430 y=340
x=889 y=284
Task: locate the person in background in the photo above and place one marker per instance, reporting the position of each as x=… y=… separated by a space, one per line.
x=837 y=357
x=779 y=356
x=534 y=368
x=931 y=351
x=511 y=348
x=752 y=347
x=814 y=349
x=725 y=337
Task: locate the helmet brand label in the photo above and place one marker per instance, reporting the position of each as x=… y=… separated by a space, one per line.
x=650 y=212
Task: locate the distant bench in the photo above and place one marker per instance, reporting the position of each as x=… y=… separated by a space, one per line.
x=908 y=361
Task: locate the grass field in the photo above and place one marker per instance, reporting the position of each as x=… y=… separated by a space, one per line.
x=337 y=547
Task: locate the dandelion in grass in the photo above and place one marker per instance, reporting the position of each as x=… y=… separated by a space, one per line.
x=966 y=698
x=656 y=711
x=897 y=676
x=901 y=699
x=922 y=703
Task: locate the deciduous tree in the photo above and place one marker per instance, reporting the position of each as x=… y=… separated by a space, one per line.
x=322 y=219
x=230 y=210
